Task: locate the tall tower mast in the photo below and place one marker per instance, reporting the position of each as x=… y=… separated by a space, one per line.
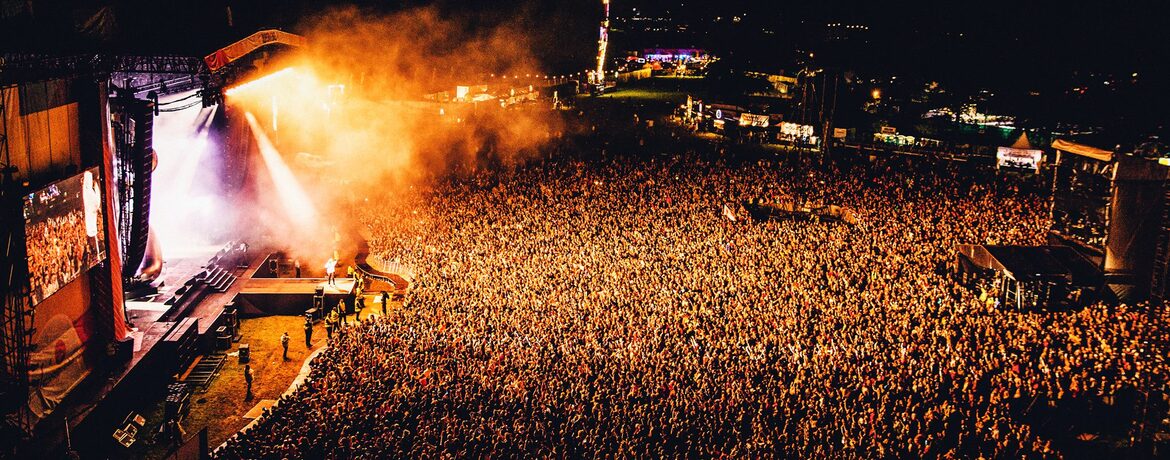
x=602 y=45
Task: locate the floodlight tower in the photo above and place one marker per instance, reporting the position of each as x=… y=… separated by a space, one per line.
x=602 y=44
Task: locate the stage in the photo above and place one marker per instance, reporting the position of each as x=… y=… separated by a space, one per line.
x=291 y=296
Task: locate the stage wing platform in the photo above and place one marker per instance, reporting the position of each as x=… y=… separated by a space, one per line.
x=290 y=296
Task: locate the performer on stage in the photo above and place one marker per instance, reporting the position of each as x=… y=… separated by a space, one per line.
x=330 y=267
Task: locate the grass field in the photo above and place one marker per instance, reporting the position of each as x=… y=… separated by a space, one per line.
x=647 y=95
x=672 y=90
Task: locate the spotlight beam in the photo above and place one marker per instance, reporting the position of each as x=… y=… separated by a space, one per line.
x=249 y=84
x=292 y=196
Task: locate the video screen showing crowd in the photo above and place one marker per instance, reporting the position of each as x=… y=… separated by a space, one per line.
x=63 y=234
x=627 y=308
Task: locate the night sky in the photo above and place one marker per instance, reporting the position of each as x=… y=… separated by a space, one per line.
x=1021 y=37
x=998 y=45
x=1025 y=36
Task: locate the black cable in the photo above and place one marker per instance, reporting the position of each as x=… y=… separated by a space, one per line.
x=178 y=109
x=195 y=94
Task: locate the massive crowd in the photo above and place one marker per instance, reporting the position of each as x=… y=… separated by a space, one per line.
x=609 y=308
x=58 y=250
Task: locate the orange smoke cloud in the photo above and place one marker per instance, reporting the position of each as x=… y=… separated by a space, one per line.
x=351 y=115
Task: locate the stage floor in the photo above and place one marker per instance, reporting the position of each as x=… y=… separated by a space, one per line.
x=295 y=286
x=140 y=312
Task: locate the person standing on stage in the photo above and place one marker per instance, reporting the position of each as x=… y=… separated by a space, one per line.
x=308 y=333
x=297 y=267
x=284 y=343
x=385 y=298
x=330 y=267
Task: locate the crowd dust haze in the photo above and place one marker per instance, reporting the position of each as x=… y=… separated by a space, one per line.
x=351 y=118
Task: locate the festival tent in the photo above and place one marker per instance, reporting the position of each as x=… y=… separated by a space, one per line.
x=1022 y=142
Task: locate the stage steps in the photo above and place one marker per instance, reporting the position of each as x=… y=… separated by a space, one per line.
x=218 y=279
x=204 y=371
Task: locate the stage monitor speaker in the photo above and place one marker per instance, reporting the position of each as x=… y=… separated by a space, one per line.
x=124 y=350
x=232 y=319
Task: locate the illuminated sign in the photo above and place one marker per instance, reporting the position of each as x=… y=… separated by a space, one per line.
x=748 y=119
x=1018 y=158
x=796 y=129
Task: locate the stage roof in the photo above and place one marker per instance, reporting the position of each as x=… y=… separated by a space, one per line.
x=1082 y=150
x=1034 y=263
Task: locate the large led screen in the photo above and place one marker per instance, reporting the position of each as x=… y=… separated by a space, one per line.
x=62 y=227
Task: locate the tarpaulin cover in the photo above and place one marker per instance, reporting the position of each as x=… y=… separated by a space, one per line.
x=63 y=326
x=43 y=129
x=1082 y=150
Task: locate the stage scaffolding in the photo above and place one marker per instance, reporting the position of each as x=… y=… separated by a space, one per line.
x=16 y=312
